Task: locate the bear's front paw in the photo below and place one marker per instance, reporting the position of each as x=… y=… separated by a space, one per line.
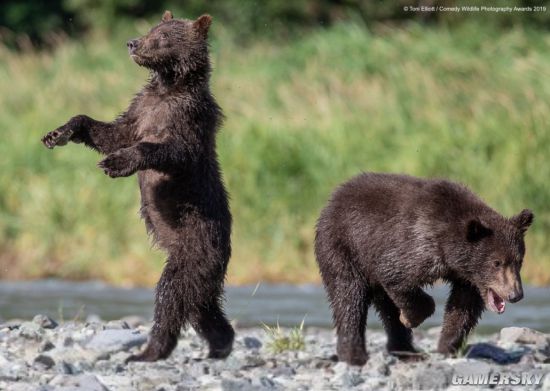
x=120 y=164
x=57 y=137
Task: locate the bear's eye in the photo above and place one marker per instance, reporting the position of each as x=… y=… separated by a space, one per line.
x=163 y=36
x=498 y=263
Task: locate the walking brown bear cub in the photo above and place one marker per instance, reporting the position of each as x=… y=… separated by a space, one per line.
x=383 y=237
x=168 y=136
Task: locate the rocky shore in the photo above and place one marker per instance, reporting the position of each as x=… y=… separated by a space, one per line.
x=44 y=355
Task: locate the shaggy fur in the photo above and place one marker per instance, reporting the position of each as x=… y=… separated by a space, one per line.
x=383 y=237
x=167 y=136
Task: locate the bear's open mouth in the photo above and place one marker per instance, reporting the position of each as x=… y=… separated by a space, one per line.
x=495 y=302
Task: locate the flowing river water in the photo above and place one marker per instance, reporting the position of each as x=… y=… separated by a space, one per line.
x=246 y=305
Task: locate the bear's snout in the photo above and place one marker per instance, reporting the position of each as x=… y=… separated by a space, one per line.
x=132 y=45
x=516 y=295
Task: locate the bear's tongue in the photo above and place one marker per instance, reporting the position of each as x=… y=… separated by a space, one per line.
x=496 y=303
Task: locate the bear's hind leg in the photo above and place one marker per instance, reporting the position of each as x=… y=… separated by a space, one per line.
x=169 y=317
x=210 y=322
x=399 y=337
x=350 y=315
x=462 y=311
x=349 y=298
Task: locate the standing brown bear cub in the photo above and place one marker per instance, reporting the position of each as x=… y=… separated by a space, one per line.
x=383 y=237
x=168 y=137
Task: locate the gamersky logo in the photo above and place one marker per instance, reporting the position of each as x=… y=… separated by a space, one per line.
x=495 y=378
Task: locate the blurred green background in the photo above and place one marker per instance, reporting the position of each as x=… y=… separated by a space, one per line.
x=314 y=92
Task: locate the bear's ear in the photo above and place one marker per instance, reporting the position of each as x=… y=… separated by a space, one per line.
x=167 y=16
x=523 y=220
x=202 y=24
x=475 y=230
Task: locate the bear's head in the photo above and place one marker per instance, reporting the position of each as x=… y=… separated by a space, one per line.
x=173 y=47
x=497 y=251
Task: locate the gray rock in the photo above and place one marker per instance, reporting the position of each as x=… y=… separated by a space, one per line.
x=45 y=321
x=433 y=377
x=31 y=330
x=266 y=382
x=44 y=361
x=420 y=376
x=283 y=371
x=84 y=382
x=11 y=324
x=237 y=385
x=340 y=367
x=65 y=368
x=23 y=387
x=491 y=352
x=116 y=340
x=13 y=371
x=134 y=321
x=93 y=318
x=3 y=361
x=252 y=343
x=522 y=335
x=68 y=342
x=378 y=363
x=253 y=362
x=46 y=346
x=199 y=369
x=351 y=379
x=116 y=325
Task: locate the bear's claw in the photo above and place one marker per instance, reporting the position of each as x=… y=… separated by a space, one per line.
x=57 y=137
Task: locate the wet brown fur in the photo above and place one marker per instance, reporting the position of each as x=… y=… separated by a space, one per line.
x=168 y=137
x=382 y=237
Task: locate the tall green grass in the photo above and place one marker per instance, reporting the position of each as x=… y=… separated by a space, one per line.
x=470 y=104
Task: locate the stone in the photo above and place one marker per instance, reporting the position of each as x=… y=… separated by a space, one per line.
x=83 y=382
x=116 y=340
x=23 y=387
x=116 y=325
x=420 y=376
x=93 y=318
x=253 y=362
x=434 y=377
x=68 y=342
x=31 y=330
x=45 y=321
x=12 y=324
x=236 y=385
x=252 y=343
x=13 y=371
x=44 y=361
x=351 y=379
x=263 y=382
x=489 y=351
x=3 y=361
x=523 y=335
x=283 y=371
x=65 y=368
x=134 y=321
x=46 y=346
x=116 y=382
